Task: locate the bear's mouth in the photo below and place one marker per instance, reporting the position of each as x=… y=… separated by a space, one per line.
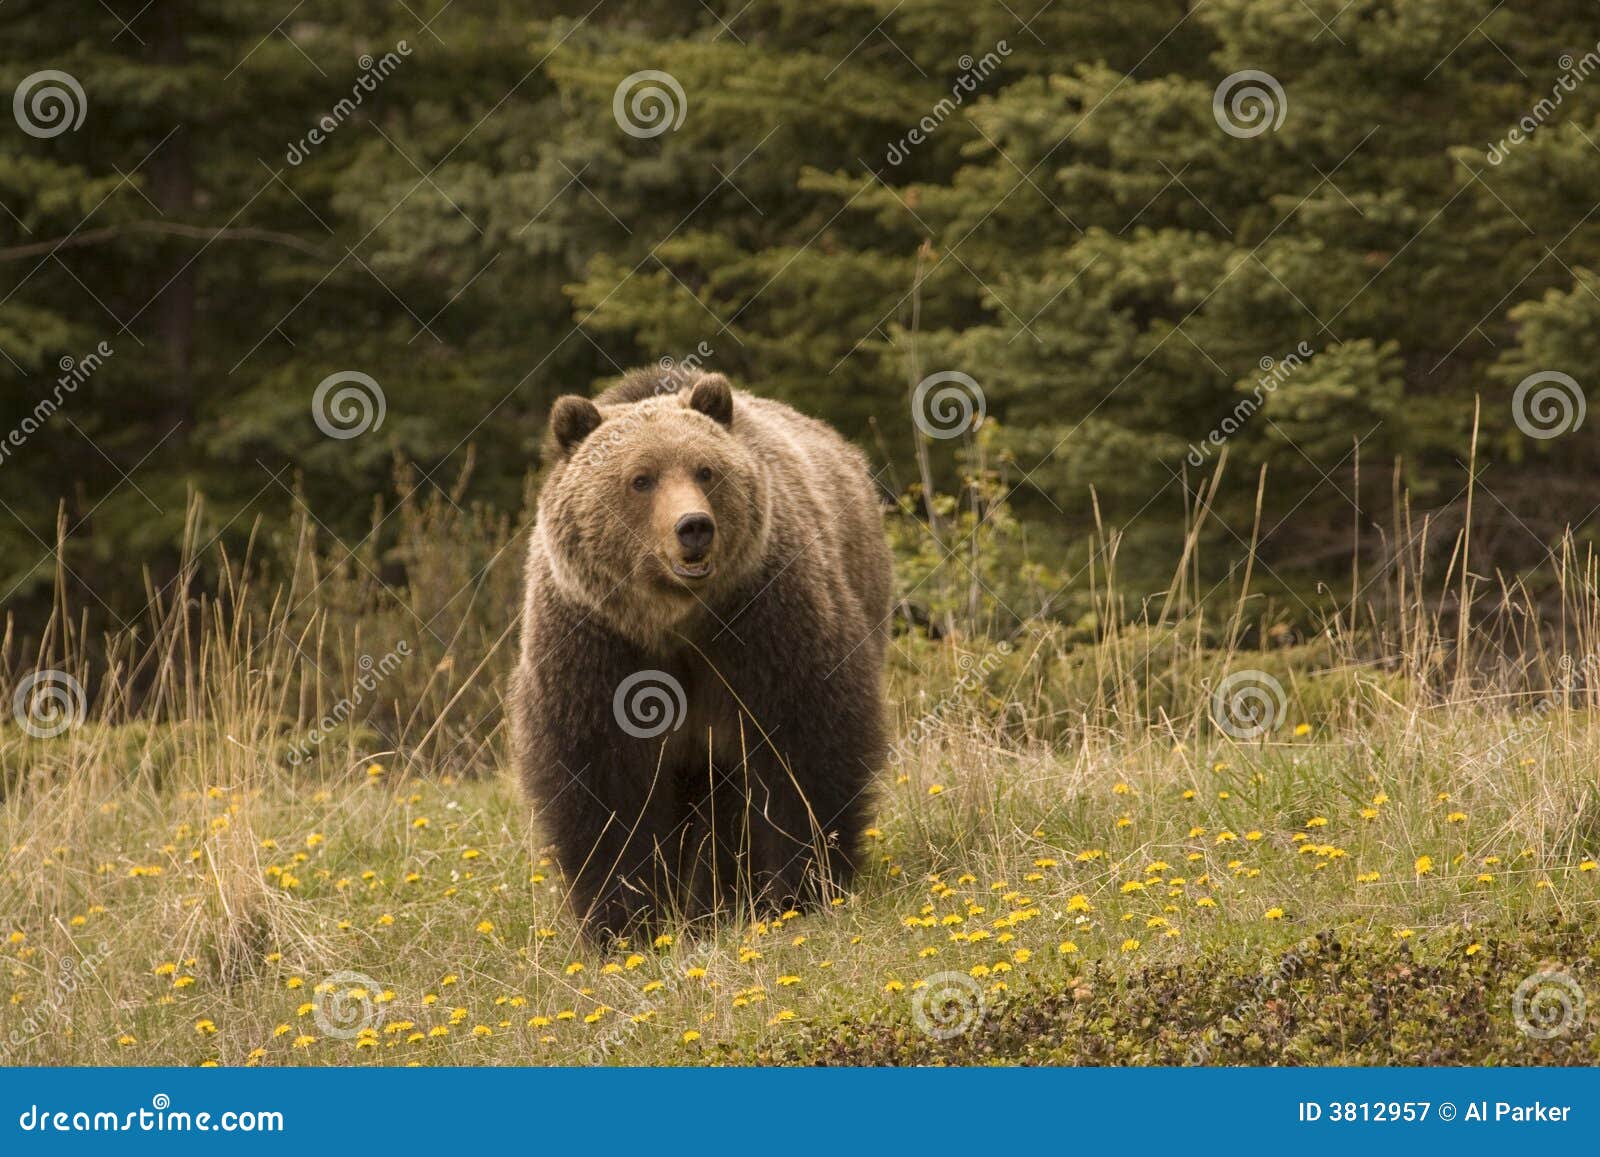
x=693 y=571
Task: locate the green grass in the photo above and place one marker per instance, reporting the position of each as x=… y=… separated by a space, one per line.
x=224 y=895
x=1071 y=861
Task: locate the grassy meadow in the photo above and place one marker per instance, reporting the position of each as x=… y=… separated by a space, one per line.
x=1184 y=838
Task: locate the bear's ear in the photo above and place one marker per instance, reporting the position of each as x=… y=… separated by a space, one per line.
x=572 y=419
x=713 y=397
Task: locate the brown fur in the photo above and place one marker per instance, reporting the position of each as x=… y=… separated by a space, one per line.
x=758 y=794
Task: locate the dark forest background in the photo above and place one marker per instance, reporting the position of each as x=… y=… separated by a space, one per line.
x=1077 y=233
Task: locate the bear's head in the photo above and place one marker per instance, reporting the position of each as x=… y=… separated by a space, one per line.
x=653 y=510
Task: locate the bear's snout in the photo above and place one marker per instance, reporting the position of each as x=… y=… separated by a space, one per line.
x=695 y=532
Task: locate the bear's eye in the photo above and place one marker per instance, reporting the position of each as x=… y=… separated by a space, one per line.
x=703 y=474
x=643 y=482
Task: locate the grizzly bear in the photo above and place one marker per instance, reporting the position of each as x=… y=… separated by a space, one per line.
x=697 y=711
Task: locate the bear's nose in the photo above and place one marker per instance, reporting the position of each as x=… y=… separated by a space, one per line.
x=695 y=532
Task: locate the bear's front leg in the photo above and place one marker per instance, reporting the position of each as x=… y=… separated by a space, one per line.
x=801 y=756
x=602 y=781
